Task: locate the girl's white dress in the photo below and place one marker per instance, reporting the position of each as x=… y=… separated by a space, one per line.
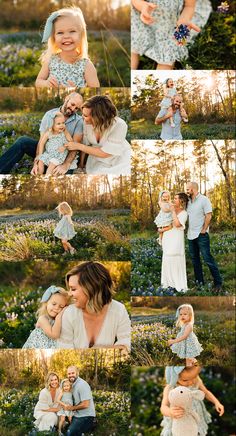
x=173 y=268
x=188 y=348
x=115 y=329
x=51 y=153
x=66 y=398
x=45 y=421
x=65 y=228
x=63 y=71
x=156 y=41
x=199 y=407
x=167 y=100
x=113 y=142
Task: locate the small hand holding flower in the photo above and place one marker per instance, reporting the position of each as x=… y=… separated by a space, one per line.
x=52 y=82
x=146 y=11
x=170 y=342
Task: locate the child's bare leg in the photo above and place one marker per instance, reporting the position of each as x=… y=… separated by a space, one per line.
x=50 y=169
x=61 y=422
x=65 y=245
x=40 y=167
x=183 y=114
x=134 y=61
x=70 y=419
x=164 y=67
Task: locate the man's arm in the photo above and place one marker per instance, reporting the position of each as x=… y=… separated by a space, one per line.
x=162 y=119
x=83 y=405
x=207 y=221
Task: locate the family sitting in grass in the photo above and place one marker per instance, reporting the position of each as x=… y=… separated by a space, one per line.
x=99 y=136
x=66 y=406
x=171 y=222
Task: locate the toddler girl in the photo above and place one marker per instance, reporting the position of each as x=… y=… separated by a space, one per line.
x=169 y=92
x=65 y=228
x=164 y=217
x=186 y=344
x=188 y=377
x=53 y=142
x=48 y=326
x=153 y=25
x=65 y=398
x=65 y=62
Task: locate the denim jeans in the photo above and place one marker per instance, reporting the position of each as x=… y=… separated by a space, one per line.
x=201 y=245
x=81 y=425
x=23 y=145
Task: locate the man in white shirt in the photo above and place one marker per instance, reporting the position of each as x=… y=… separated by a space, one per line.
x=200 y=213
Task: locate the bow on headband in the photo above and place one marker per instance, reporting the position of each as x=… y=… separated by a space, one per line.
x=49 y=292
x=172 y=374
x=48 y=26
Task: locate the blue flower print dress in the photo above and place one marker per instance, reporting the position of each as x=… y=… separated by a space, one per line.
x=189 y=347
x=63 y=71
x=38 y=339
x=51 y=153
x=167 y=100
x=200 y=408
x=65 y=228
x=156 y=40
x=66 y=398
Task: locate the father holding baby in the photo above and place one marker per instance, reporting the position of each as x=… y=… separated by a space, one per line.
x=164 y=117
x=29 y=146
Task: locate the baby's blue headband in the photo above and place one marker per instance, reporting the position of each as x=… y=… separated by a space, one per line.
x=172 y=374
x=49 y=292
x=48 y=26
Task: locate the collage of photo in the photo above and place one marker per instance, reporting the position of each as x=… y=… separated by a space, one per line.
x=117 y=206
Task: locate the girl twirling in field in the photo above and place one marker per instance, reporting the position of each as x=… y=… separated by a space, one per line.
x=65 y=228
x=170 y=92
x=153 y=25
x=49 y=314
x=186 y=344
x=65 y=398
x=188 y=377
x=51 y=149
x=66 y=62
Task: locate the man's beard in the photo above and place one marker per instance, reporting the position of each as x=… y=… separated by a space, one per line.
x=72 y=379
x=67 y=111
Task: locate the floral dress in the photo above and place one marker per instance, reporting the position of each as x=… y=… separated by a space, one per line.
x=65 y=228
x=199 y=407
x=66 y=398
x=51 y=153
x=189 y=347
x=63 y=71
x=156 y=40
x=38 y=339
x=167 y=100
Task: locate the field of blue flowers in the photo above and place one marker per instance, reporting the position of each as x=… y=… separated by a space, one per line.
x=215 y=331
x=32 y=237
x=20 y=53
x=146 y=389
x=146 y=267
x=17 y=406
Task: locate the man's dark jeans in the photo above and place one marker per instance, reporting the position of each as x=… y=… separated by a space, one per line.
x=81 y=425
x=23 y=145
x=201 y=245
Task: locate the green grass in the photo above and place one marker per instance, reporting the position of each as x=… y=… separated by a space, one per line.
x=146 y=129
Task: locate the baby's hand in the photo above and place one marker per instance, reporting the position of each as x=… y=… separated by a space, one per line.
x=52 y=82
x=177 y=412
x=61 y=149
x=170 y=341
x=189 y=24
x=62 y=311
x=145 y=15
x=220 y=408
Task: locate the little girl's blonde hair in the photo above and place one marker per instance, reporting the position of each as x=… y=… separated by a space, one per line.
x=42 y=310
x=82 y=50
x=56 y=115
x=64 y=381
x=64 y=209
x=190 y=311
